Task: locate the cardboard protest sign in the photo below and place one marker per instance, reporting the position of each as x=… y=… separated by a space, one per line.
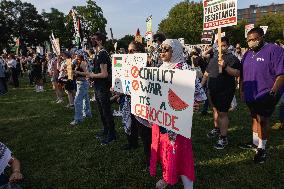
x=149 y=24
x=164 y=97
x=248 y=27
x=219 y=14
x=264 y=29
x=207 y=37
x=121 y=70
x=69 y=69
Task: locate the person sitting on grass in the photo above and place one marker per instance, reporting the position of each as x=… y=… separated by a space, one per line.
x=8 y=160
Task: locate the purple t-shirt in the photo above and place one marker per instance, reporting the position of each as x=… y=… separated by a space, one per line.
x=260 y=70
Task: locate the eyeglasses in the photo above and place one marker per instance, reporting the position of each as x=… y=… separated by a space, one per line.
x=164 y=50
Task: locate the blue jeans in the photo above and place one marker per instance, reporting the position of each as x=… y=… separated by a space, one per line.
x=82 y=101
x=281 y=111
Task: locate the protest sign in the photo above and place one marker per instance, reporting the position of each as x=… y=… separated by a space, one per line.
x=219 y=14
x=207 y=37
x=121 y=70
x=264 y=29
x=164 y=97
x=248 y=27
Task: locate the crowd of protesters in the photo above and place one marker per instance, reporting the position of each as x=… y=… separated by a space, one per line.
x=258 y=73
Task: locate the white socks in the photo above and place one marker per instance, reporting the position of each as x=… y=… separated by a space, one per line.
x=187 y=183
x=262 y=144
x=255 y=138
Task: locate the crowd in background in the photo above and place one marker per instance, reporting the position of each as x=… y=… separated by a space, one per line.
x=257 y=72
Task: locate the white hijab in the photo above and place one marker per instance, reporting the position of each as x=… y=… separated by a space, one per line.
x=177 y=54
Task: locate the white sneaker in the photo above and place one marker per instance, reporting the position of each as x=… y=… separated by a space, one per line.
x=74 y=123
x=59 y=101
x=93 y=99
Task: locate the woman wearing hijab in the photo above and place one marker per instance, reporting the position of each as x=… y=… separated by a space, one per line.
x=172 y=150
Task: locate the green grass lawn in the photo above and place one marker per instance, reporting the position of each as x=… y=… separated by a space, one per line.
x=55 y=156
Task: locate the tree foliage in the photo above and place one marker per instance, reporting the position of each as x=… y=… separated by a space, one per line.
x=21 y=20
x=92 y=18
x=124 y=41
x=185 y=20
x=60 y=25
x=275 y=23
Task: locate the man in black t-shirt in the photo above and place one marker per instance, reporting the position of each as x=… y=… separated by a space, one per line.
x=221 y=90
x=102 y=82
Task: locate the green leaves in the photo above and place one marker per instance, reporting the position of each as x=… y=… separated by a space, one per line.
x=184 y=21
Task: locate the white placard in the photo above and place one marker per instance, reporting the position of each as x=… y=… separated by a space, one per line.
x=121 y=70
x=248 y=27
x=164 y=97
x=219 y=13
x=264 y=29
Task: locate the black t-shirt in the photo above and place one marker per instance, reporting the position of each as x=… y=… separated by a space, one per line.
x=222 y=82
x=102 y=58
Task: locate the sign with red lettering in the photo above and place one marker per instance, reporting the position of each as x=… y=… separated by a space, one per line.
x=248 y=27
x=219 y=14
x=164 y=97
x=123 y=65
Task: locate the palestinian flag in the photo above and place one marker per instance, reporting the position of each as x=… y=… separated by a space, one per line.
x=117 y=62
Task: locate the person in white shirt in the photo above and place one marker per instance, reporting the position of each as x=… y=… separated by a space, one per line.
x=12 y=66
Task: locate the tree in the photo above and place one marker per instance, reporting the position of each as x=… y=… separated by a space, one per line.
x=185 y=20
x=92 y=18
x=236 y=34
x=5 y=29
x=275 y=23
x=124 y=42
x=60 y=25
x=24 y=22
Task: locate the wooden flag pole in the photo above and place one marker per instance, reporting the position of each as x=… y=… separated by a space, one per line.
x=220 y=50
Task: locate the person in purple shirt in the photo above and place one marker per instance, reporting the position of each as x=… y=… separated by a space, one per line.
x=262 y=84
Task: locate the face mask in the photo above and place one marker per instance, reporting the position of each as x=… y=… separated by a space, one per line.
x=253 y=44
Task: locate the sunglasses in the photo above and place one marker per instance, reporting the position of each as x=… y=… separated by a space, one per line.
x=164 y=50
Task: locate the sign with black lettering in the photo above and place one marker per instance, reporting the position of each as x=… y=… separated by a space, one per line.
x=164 y=97
x=219 y=13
